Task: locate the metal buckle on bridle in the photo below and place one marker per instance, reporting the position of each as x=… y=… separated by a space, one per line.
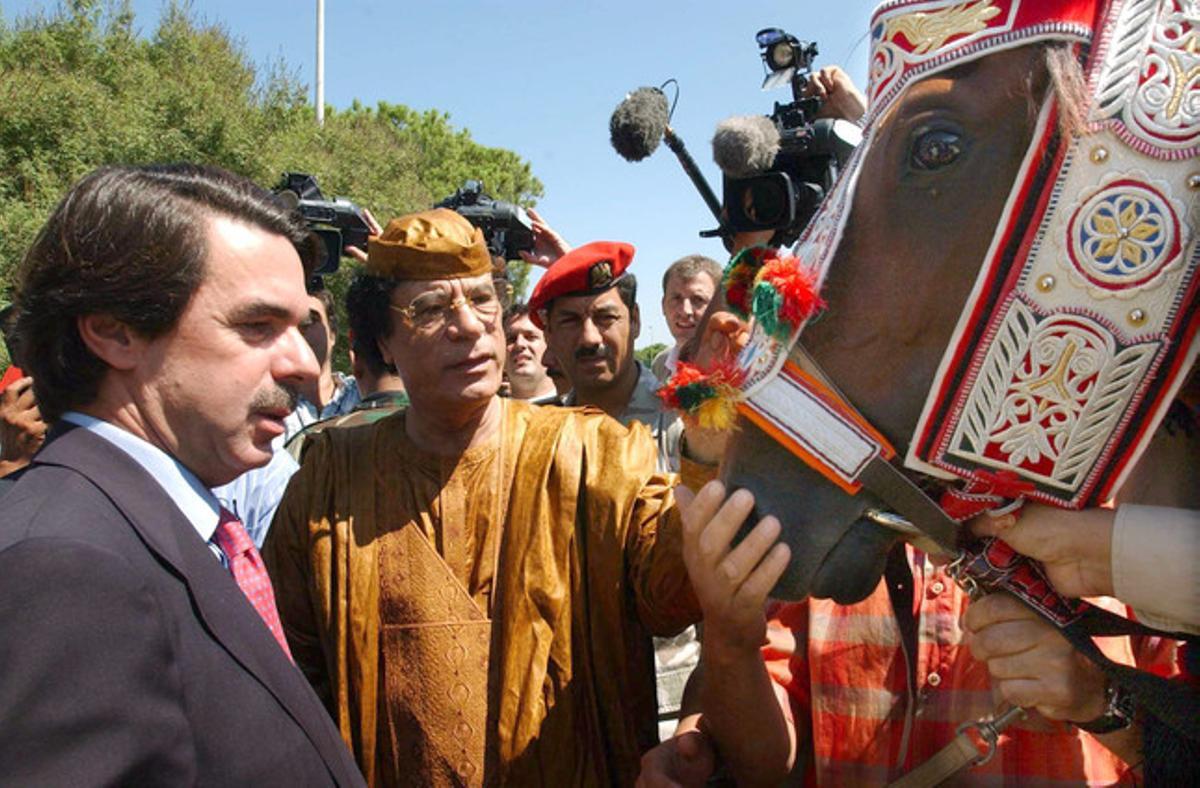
x=893 y=521
x=990 y=730
x=957 y=570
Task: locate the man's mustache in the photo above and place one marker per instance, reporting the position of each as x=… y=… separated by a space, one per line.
x=278 y=397
x=593 y=351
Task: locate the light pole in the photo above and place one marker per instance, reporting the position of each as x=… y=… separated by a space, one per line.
x=320 y=62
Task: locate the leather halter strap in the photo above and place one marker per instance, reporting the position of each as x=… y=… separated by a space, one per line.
x=979 y=566
x=845 y=448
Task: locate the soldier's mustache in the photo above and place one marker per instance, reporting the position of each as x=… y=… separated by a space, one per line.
x=593 y=351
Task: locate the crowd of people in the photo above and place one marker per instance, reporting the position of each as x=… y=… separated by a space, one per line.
x=491 y=555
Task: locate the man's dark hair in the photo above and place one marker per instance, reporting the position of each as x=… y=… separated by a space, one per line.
x=691 y=265
x=627 y=288
x=513 y=311
x=130 y=242
x=367 y=302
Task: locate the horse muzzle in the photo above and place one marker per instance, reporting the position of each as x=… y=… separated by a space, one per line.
x=838 y=552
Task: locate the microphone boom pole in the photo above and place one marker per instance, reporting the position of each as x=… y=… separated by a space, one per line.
x=689 y=166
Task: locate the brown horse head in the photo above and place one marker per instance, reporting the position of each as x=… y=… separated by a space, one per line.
x=932 y=187
x=931 y=191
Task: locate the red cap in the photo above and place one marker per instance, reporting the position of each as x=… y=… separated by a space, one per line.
x=589 y=269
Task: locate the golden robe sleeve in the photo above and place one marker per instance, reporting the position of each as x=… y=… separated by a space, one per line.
x=322 y=558
x=623 y=468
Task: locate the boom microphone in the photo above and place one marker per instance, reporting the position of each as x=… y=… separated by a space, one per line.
x=640 y=122
x=744 y=146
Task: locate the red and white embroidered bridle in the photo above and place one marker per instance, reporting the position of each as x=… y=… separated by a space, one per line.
x=1082 y=324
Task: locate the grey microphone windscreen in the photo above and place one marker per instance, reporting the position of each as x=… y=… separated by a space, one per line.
x=745 y=145
x=638 y=123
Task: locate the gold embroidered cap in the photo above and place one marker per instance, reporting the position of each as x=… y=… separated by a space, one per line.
x=434 y=244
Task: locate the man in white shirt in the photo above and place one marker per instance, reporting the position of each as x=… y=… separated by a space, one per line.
x=688 y=285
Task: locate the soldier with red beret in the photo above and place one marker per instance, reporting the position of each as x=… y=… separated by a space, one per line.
x=586 y=302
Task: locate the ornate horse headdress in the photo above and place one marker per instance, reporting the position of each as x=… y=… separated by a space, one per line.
x=1081 y=325
x=1078 y=333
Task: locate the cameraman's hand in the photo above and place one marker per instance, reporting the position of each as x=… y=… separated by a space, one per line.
x=748 y=238
x=354 y=251
x=22 y=430
x=841 y=99
x=548 y=245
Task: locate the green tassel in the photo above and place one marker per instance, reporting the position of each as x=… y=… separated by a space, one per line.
x=766 y=304
x=691 y=396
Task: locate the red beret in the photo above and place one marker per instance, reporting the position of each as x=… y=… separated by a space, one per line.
x=589 y=269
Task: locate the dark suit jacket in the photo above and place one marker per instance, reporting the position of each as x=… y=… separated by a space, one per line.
x=128 y=654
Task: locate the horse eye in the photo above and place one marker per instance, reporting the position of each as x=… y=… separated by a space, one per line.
x=935 y=149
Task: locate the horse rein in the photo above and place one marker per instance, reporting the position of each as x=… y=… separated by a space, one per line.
x=986 y=566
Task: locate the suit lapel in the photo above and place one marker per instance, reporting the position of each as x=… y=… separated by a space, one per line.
x=222 y=606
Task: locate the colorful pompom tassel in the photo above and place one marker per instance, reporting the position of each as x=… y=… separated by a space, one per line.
x=775 y=290
x=784 y=296
x=708 y=400
x=739 y=275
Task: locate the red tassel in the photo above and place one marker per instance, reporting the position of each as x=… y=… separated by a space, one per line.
x=797 y=287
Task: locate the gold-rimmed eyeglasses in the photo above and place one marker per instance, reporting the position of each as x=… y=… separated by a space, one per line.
x=431 y=311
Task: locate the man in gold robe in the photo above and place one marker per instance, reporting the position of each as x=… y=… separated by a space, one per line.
x=471 y=584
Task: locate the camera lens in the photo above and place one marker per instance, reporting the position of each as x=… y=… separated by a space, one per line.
x=766 y=202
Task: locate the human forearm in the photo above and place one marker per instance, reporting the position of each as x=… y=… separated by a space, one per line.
x=743 y=714
x=286 y=555
x=1125 y=744
x=758 y=748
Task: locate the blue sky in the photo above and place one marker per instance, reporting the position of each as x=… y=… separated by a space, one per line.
x=542 y=78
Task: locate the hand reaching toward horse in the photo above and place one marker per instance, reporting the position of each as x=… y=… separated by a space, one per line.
x=1075 y=548
x=720 y=337
x=742 y=712
x=1031 y=663
x=731 y=583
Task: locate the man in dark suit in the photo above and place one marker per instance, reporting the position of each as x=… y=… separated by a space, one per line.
x=139 y=639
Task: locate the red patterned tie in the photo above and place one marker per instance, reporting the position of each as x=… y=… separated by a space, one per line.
x=247 y=567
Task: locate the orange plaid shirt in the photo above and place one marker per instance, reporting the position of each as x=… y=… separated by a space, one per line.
x=844 y=668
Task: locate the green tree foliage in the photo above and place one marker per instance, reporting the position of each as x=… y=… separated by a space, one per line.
x=646 y=354
x=80 y=89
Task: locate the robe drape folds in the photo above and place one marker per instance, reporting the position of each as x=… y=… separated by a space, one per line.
x=485 y=619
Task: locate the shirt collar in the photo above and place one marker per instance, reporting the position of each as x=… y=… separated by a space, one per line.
x=643 y=404
x=196 y=501
x=344 y=398
x=672 y=360
x=645 y=400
